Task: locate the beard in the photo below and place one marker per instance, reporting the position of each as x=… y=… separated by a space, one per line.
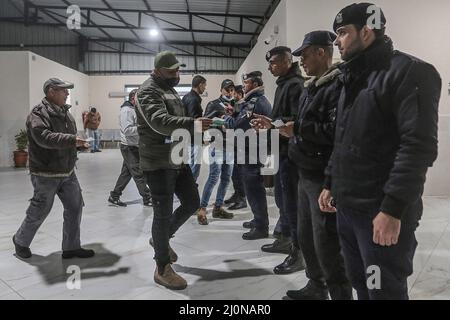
x=353 y=49
x=172 y=82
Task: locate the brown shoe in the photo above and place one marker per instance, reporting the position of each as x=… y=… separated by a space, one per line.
x=221 y=213
x=201 y=217
x=172 y=254
x=169 y=279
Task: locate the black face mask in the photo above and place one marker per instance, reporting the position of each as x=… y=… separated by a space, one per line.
x=172 y=82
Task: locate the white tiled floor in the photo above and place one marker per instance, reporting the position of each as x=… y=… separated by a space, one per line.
x=214 y=259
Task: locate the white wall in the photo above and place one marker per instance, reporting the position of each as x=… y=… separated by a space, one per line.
x=416 y=27
x=256 y=60
x=41 y=69
x=420 y=28
x=101 y=86
x=14 y=102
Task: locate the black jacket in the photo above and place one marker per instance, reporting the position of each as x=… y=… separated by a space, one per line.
x=311 y=147
x=192 y=102
x=215 y=109
x=256 y=102
x=285 y=104
x=51 y=134
x=386 y=131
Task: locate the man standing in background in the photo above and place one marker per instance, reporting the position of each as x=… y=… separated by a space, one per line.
x=192 y=102
x=91 y=123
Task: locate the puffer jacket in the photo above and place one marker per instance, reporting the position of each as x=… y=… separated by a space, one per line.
x=311 y=147
x=159 y=113
x=386 y=131
x=51 y=132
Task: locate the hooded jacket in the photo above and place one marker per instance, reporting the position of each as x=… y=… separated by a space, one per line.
x=128 y=125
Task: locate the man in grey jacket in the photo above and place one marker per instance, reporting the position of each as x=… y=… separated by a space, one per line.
x=52 y=148
x=129 y=147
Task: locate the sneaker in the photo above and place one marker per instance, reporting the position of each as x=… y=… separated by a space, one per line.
x=221 y=213
x=172 y=254
x=169 y=278
x=116 y=202
x=22 y=252
x=78 y=253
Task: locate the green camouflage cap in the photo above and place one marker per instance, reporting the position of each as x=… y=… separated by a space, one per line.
x=167 y=60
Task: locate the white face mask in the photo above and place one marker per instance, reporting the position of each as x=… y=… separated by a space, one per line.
x=226 y=98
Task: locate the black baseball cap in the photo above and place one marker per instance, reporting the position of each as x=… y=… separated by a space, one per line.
x=359 y=14
x=252 y=75
x=226 y=83
x=56 y=83
x=316 y=38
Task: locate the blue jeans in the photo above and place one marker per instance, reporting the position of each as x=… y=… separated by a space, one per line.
x=221 y=165
x=96 y=136
x=195 y=167
x=395 y=263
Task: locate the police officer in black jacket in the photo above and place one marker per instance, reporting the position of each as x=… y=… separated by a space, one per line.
x=386 y=138
x=285 y=107
x=310 y=149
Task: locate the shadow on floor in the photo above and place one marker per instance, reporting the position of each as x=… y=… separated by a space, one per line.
x=54 y=269
x=214 y=275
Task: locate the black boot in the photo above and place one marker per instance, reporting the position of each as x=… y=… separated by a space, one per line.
x=255 y=234
x=281 y=245
x=312 y=291
x=232 y=199
x=293 y=263
x=341 y=291
x=239 y=204
x=249 y=224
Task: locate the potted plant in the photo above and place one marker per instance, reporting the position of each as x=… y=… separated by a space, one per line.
x=20 y=155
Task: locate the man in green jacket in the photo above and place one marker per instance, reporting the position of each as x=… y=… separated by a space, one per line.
x=159 y=113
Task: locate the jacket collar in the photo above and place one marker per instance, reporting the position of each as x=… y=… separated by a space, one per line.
x=293 y=72
x=54 y=109
x=328 y=76
x=127 y=104
x=377 y=56
x=257 y=92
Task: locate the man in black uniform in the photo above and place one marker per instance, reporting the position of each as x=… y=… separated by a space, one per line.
x=285 y=107
x=386 y=138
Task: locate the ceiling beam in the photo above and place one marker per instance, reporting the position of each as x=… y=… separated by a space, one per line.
x=210 y=14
